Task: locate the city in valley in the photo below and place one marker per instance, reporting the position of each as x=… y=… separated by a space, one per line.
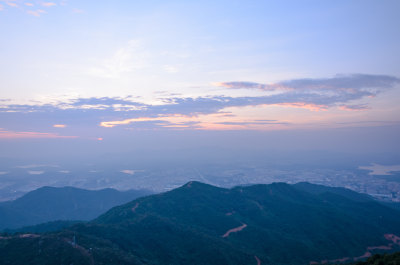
x=381 y=182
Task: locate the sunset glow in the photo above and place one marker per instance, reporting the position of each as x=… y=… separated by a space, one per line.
x=127 y=70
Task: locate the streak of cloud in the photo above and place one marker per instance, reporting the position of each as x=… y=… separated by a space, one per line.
x=12 y=4
x=249 y=85
x=35 y=172
x=257 y=122
x=48 y=4
x=128 y=171
x=322 y=93
x=5 y=134
x=349 y=83
x=360 y=107
x=196 y=112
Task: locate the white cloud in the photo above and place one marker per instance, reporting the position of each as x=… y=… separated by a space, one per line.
x=126 y=59
x=35 y=172
x=128 y=171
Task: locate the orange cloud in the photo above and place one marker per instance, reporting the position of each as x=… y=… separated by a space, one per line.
x=20 y=135
x=59 y=125
x=218 y=121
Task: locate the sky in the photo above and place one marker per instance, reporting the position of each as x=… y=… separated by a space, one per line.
x=93 y=77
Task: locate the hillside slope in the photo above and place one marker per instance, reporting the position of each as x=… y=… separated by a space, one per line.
x=202 y=224
x=50 y=204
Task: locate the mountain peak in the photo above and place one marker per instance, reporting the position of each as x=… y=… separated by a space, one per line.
x=196 y=184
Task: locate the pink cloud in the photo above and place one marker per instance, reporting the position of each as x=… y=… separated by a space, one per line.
x=59 y=125
x=251 y=85
x=48 y=4
x=12 y=4
x=302 y=105
x=4 y=134
x=26 y=6
x=36 y=13
x=200 y=122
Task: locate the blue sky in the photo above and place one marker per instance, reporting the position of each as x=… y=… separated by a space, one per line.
x=101 y=70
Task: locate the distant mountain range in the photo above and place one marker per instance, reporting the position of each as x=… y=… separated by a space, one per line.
x=50 y=204
x=202 y=224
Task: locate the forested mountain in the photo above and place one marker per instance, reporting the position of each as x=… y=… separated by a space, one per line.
x=203 y=224
x=387 y=259
x=50 y=204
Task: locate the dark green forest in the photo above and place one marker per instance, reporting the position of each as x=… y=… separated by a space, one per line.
x=202 y=224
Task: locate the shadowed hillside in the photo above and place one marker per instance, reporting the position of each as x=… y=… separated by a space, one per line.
x=50 y=204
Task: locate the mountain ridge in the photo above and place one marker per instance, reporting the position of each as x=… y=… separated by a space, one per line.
x=201 y=224
x=61 y=203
